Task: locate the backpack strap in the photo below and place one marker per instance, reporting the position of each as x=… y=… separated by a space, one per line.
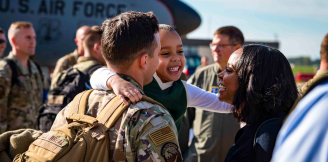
x=115 y=108
x=112 y=112
x=79 y=103
x=79 y=107
x=39 y=69
x=92 y=68
x=14 y=75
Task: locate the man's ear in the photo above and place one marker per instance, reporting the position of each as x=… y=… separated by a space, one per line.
x=13 y=40
x=76 y=41
x=143 y=61
x=237 y=46
x=96 y=47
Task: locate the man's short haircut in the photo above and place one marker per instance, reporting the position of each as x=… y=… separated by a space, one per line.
x=234 y=34
x=128 y=35
x=2 y=31
x=324 y=49
x=15 y=26
x=20 y=25
x=166 y=27
x=84 y=27
x=93 y=36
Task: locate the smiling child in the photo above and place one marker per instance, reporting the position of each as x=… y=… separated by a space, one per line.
x=167 y=88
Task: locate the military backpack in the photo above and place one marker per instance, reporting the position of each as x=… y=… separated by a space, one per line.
x=84 y=138
x=70 y=82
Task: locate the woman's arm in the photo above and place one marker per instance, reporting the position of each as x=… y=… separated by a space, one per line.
x=204 y=100
x=105 y=79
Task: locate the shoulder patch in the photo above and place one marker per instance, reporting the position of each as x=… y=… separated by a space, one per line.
x=162 y=135
x=157 y=121
x=142 y=105
x=170 y=152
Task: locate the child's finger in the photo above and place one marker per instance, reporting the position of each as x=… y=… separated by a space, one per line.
x=123 y=99
x=131 y=97
x=138 y=93
x=135 y=95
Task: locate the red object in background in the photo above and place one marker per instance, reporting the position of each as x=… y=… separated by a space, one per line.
x=304 y=77
x=186 y=71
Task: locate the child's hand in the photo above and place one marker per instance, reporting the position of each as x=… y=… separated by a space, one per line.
x=124 y=89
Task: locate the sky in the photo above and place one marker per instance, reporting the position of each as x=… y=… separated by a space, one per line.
x=298 y=25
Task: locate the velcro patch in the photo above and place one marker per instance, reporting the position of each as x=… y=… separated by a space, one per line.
x=157 y=121
x=171 y=153
x=162 y=135
x=53 y=139
x=48 y=146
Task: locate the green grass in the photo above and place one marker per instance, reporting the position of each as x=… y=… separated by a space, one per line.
x=303 y=69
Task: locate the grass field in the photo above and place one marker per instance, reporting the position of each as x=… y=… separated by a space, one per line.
x=303 y=69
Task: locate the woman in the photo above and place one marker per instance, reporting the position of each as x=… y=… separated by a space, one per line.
x=260 y=85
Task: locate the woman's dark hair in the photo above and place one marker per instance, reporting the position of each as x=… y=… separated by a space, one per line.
x=266 y=84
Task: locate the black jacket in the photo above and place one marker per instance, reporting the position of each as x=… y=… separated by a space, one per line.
x=246 y=149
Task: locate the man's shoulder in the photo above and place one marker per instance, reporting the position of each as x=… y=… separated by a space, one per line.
x=4 y=68
x=85 y=65
x=207 y=69
x=142 y=110
x=319 y=76
x=3 y=64
x=66 y=57
x=71 y=57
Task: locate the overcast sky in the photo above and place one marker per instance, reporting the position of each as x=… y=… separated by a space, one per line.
x=298 y=25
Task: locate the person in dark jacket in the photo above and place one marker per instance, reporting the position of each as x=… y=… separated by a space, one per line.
x=259 y=83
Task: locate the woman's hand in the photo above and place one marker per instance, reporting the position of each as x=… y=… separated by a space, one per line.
x=123 y=88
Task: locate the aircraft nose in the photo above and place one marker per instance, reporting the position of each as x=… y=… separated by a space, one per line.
x=185 y=18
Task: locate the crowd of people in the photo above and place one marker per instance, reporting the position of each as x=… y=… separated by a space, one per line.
x=119 y=97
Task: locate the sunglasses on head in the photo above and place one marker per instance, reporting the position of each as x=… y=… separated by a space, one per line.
x=2 y=41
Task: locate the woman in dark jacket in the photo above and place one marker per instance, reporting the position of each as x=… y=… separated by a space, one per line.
x=259 y=83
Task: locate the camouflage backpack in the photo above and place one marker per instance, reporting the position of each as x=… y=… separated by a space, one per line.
x=84 y=138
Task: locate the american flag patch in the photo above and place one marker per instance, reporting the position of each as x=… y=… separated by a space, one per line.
x=162 y=135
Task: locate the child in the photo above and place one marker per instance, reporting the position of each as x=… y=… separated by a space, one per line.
x=167 y=88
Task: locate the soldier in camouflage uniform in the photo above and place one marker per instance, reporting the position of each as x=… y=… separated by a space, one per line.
x=71 y=59
x=323 y=70
x=145 y=131
x=20 y=99
x=92 y=56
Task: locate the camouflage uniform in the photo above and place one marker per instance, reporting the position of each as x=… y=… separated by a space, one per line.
x=145 y=132
x=82 y=64
x=65 y=62
x=320 y=74
x=19 y=103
